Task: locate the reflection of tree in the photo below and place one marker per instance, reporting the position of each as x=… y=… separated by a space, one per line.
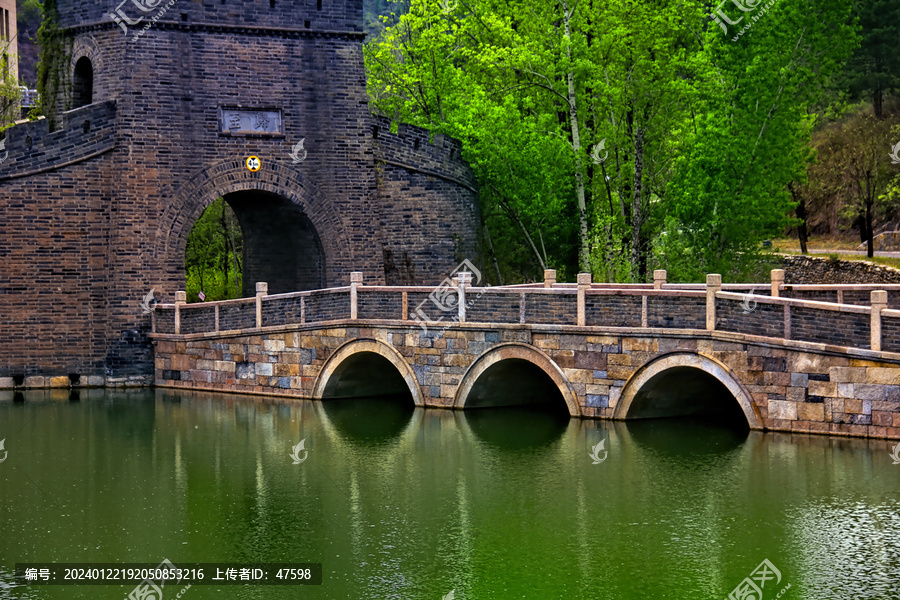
x=212 y=256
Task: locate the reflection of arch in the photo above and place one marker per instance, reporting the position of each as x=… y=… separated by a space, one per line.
x=362 y=346
x=687 y=360
x=231 y=176
x=519 y=352
x=83 y=83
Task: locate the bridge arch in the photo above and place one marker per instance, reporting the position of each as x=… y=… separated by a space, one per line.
x=351 y=354
x=512 y=353
x=638 y=390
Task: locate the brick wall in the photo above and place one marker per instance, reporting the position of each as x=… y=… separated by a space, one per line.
x=130 y=174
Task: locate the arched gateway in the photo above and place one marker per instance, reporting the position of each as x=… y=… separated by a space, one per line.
x=156 y=114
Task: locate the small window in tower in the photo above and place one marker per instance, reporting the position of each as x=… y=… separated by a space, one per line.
x=83 y=83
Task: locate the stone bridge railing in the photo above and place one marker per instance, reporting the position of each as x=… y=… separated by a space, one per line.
x=855 y=316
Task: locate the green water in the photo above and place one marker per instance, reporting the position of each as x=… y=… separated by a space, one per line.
x=400 y=504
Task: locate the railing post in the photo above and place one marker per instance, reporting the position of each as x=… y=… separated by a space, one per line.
x=549 y=277
x=262 y=289
x=465 y=278
x=217 y=318
x=879 y=303
x=404 y=306
x=713 y=286
x=584 y=283
x=777 y=281
x=787 y=321
x=356 y=278
x=659 y=279
x=180 y=300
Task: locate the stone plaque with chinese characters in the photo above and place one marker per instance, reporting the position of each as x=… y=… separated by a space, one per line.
x=244 y=121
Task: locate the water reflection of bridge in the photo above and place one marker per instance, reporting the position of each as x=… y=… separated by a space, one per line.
x=822 y=358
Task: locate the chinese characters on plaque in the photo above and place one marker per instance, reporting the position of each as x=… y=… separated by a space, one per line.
x=244 y=121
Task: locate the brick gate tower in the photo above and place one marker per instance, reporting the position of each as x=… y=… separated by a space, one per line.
x=158 y=107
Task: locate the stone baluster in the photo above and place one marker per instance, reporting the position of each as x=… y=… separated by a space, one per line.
x=356 y=278
x=659 y=279
x=777 y=281
x=465 y=278
x=262 y=289
x=549 y=277
x=879 y=303
x=713 y=286
x=584 y=284
x=180 y=300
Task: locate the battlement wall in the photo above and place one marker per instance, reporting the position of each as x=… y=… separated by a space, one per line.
x=84 y=133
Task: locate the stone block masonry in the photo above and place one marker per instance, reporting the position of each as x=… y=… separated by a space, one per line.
x=823 y=372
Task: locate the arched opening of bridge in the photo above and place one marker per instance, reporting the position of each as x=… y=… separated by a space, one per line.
x=250 y=236
x=83 y=83
x=690 y=386
x=364 y=393
x=516 y=382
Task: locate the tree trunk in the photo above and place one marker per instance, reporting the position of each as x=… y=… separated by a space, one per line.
x=637 y=217
x=802 y=231
x=490 y=245
x=878 y=103
x=583 y=251
x=870 y=237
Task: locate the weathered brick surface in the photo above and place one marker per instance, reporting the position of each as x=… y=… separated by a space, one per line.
x=890 y=334
x=612 y=311
x=830 y=327
x=97 y=211
x=674 y=311
x=380 y=305
x=763 y=319
x=553 y=310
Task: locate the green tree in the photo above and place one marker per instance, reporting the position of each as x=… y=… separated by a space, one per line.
x=212 y=254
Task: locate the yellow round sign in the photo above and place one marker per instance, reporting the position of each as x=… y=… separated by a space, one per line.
x=253 y=163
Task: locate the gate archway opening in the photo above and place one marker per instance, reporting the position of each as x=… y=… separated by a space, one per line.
x=251 y=236
x=280 y=244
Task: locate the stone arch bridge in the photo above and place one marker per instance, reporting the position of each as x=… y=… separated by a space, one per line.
x=803 y=358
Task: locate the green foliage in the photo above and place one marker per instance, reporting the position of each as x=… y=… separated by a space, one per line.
x=703 y=133
x=212 y=257
x=52 y=77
